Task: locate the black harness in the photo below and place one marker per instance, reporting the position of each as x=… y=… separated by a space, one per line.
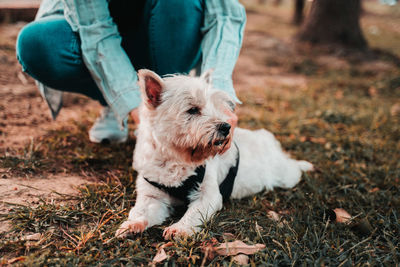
x=192 y=183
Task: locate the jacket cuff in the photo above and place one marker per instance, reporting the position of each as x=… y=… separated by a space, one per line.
x=125 y=102
x=226 y=85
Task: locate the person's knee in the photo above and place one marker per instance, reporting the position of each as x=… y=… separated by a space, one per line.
x=26 y=48
x=43 y=51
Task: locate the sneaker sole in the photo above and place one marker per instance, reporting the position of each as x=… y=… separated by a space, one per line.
x=106 y=141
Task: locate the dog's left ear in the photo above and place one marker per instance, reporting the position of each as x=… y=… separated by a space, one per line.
x=151 y=86
x=207 y=75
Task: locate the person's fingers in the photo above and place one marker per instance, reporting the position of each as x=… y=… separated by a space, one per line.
x=233 y=120
x=135 y=116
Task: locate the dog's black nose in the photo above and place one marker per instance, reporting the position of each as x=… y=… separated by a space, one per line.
x=224 y=128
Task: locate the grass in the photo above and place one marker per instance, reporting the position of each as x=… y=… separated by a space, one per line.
x=343 y=122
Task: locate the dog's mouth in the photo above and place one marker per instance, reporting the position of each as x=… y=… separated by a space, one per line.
x=219 y=142
x=212 y=148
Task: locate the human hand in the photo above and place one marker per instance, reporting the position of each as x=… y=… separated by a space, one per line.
x=135 y=116
x=233 y=120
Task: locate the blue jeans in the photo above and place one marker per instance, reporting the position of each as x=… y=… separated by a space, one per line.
x=166 y=40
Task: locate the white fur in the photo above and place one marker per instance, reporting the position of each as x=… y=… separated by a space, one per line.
x=167 y=134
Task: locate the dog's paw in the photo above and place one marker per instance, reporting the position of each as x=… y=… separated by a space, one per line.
x=128 y=227
x=179 y=230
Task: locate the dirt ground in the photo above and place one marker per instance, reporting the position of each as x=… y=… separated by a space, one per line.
x=24 y=116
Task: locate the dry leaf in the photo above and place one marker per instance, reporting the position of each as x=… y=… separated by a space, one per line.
x=318 y=140
x=228 y=235
x=258 y=228
x=285 y=104
x=328 y=145
x=17 y=259
x=259 y=100
x=303 y=139
x=395 y=109
x=33 y=237
x=236 y=247
x=208 y=250
x=161 y=255
x=372 y=91
x=342 y=216
x=241 y=259
x=339 y=94
x=285 y=212
x=273 y=215
x=373 y=190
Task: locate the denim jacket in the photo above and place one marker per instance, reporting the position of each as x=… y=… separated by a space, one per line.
x=110 y=67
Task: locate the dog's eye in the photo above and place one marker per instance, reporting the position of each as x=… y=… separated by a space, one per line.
x=193 y=111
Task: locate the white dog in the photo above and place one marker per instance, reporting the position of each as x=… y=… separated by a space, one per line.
x=183 y=129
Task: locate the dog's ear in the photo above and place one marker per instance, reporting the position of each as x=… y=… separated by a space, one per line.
x=151 y=86
x=207 y=75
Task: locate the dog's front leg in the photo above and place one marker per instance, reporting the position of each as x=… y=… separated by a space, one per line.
x=151 y=208
x=206 y=203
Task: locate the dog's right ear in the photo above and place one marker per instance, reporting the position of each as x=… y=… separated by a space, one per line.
x=151 y=86
x=207 y=75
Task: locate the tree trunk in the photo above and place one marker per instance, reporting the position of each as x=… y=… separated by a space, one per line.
x=298 y=12
x=333 y=22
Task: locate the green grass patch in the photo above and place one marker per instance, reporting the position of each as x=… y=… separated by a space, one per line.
x=351 y=139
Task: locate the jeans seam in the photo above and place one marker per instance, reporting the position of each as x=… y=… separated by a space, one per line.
x=75 y=50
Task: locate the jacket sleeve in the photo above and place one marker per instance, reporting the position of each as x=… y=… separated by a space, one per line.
x=224 y=22
x=103 y=55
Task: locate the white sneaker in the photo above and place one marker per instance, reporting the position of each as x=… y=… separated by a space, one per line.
x=107 y=129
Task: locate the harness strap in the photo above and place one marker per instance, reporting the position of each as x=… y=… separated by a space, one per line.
x=226 y=187
x=192 y=183
x=182 y=192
